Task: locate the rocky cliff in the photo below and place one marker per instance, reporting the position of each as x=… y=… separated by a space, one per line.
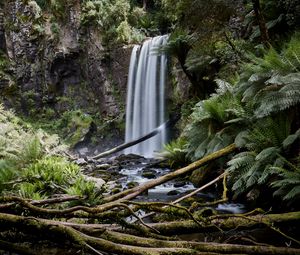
x=57 y=63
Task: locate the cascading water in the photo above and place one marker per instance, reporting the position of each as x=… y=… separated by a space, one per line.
x=146 y=97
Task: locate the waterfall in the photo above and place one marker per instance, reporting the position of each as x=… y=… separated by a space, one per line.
x=145 y=108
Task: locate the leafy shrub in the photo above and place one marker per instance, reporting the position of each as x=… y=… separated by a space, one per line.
x=51 y=176
x=75 y=125
x=259 y=113
x=209 y=129
x=112 y=17
x=175 y=153
x=31 y=165
x=57 y=7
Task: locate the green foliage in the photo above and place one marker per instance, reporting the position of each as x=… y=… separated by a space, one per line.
x=273 y=81
x=211 y=14
x=270 y=87
x=179 y=44
x=288 y=185
x=20 y=145
x=209 y=129
x=75 y=125
x=175 y=153
x=57 y=7
x=30 y=166
x=51 y=176
x=273 y=62
x=264 y=144
x=112 y=17
x=259 y=114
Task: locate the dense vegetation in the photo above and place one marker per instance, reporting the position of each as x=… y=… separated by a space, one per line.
x=32 y=163
x=243 y=71
x=248 y=91
x=239 y=63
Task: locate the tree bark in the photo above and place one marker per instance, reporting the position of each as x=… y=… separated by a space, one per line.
x=131 y=143
x=3 y=48
x=227 y=222
x=261 y=23
x=145 y=5
x=123 y=244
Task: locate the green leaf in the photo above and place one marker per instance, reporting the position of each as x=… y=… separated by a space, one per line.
x=267 y=153
x=291 y=139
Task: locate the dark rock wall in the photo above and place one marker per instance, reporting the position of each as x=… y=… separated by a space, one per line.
x=59 y=64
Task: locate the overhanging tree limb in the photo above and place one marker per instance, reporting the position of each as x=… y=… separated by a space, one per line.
x=132 y=143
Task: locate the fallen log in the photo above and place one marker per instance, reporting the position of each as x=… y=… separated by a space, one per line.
x=224 y=199
x=134 y=192
x=124 y=244
x=226 y=222
x=132 y=143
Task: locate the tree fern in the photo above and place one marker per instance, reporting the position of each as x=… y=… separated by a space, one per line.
x=265 y=143
x=280 y=93
x=175 y=152
x=288 y=184
x=211 y=127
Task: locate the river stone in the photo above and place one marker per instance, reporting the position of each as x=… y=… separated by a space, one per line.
x=98 y=181
x=131 y=185
x=179 y=184
x=149 y=174
x=173 y=192
x=83 y=151
x=81 y=161
x=103 y=166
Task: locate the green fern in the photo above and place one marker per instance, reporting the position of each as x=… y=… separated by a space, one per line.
x=175 y=152
x=266 y=142
x=280 y=93
x=215 y=122
x=288 y=186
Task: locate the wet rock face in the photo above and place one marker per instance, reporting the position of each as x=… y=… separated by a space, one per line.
x=2 y=34
x=63 y=68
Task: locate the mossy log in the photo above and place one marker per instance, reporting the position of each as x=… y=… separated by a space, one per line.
x=118 y=243
x=134 y=192
x=94 y=239
x=227 y=222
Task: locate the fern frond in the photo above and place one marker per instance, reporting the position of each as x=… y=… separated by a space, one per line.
x=241 y=160
x=293 y=194
x=268 y=153
x=288 y=141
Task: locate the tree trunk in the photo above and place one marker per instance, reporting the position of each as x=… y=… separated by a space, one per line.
x=145 y=5
x=132 y=143
x=2 y=32
x=119 y=243
x=261 y=23
x=226 y=223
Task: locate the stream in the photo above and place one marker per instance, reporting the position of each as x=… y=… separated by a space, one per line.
x=127 y=171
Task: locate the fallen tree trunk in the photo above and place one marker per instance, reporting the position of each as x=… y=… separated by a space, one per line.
x=123 y=244
x=226 y=222
x=134 y=192
x=131 y=143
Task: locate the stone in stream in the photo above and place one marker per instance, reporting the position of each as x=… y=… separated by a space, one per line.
x=81 y=161
x=149 y=173
x=131 y=185
x=179 y=184
x=173 y=192
x=98 y=181
x=103 y=166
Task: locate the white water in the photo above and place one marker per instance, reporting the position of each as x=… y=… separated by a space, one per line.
x=145 y=108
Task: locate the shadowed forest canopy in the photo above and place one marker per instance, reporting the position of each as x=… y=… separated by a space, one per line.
x=232 y=98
